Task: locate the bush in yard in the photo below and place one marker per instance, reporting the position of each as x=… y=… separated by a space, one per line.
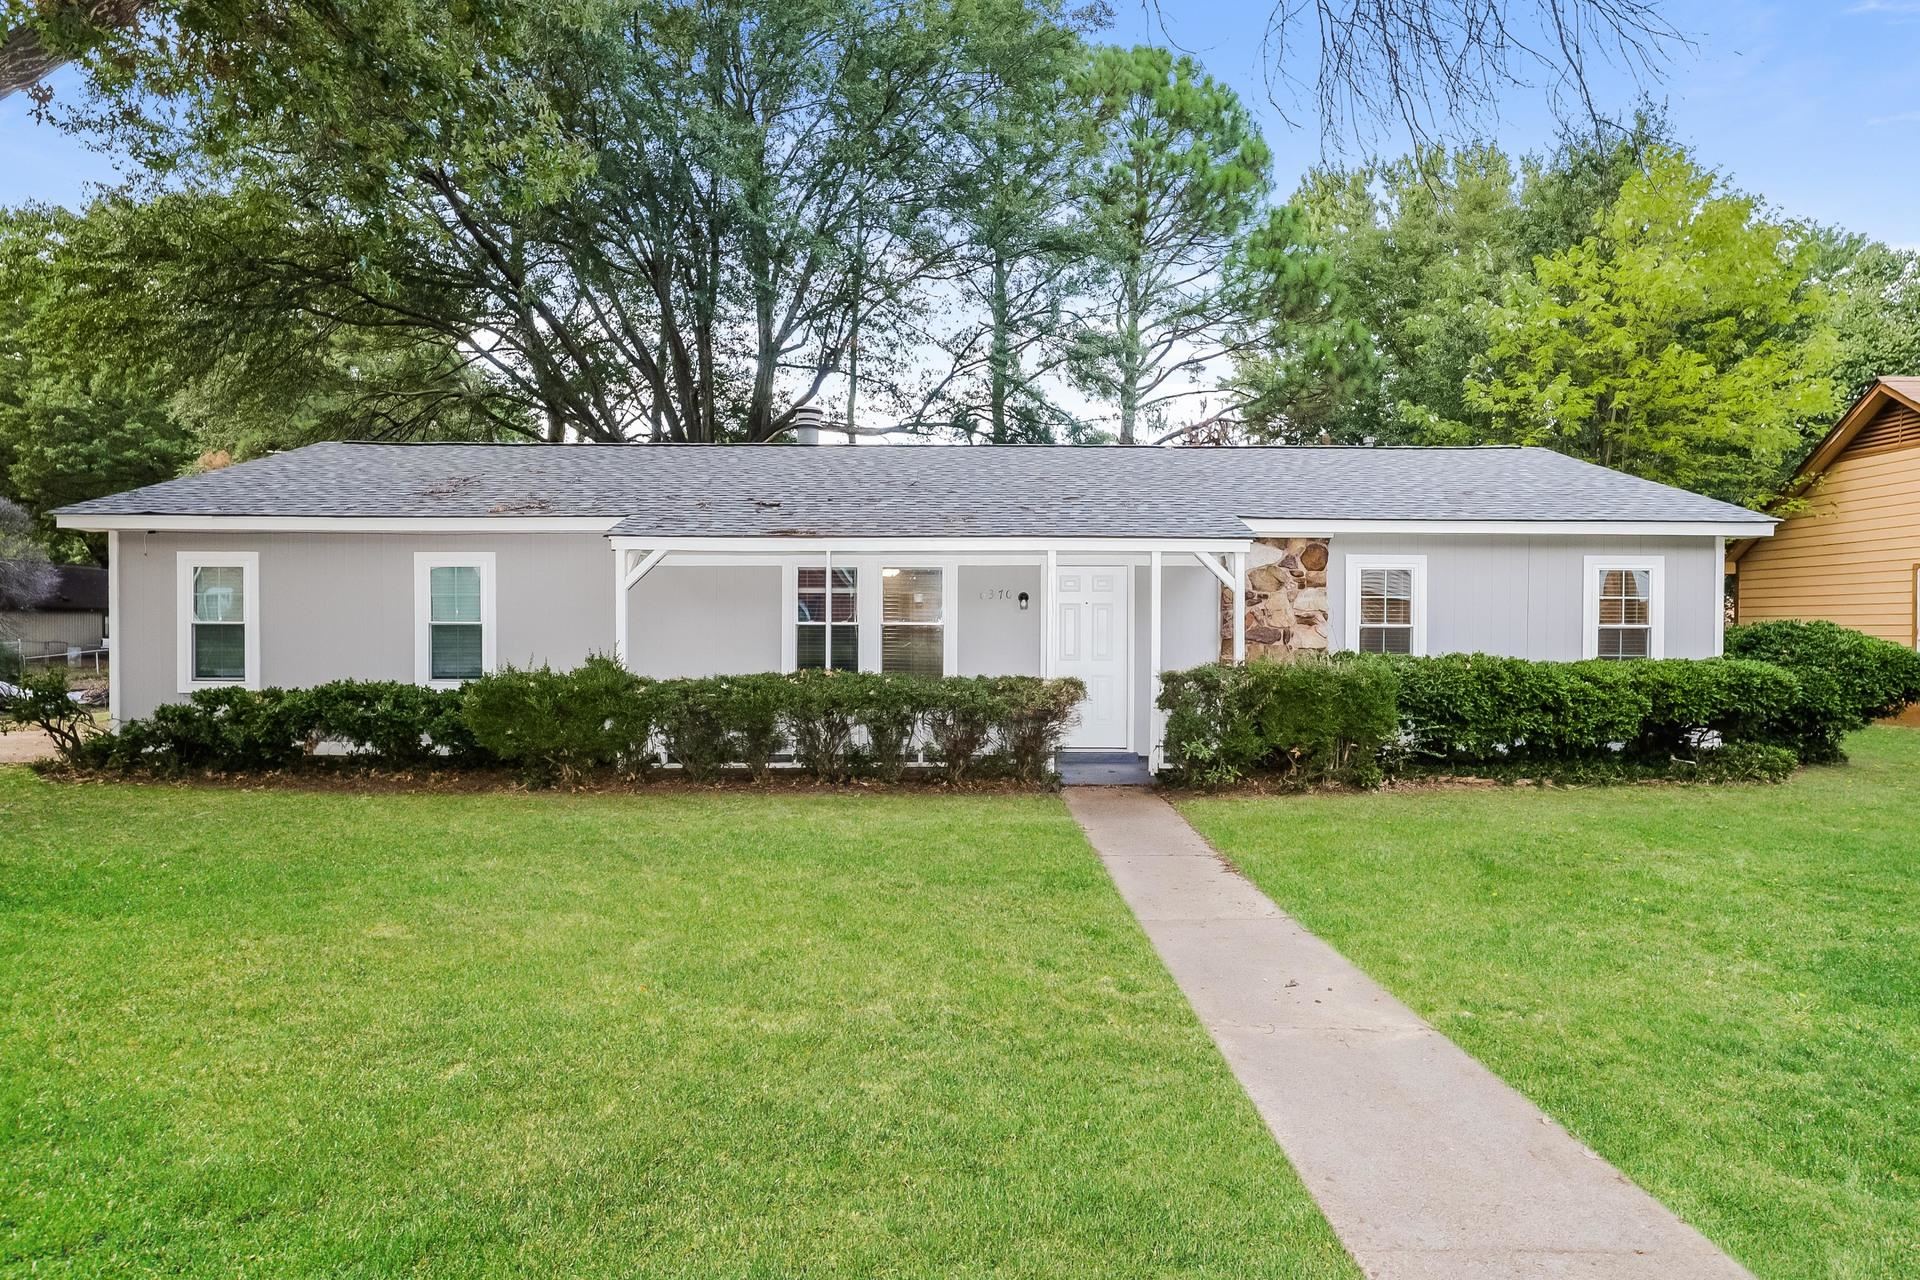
x=960 y=723
x=824 y=707
x=710 y=723
x=43 y=700
x=1847 y=678
x=556 y=725
x=391 y=723
x=891 y=711
x=1306 y=721
x=1695 y=708
x=1476 y=707
x=754 y=709
x=1034 y=715
x=227 y=730
x=1476 y=710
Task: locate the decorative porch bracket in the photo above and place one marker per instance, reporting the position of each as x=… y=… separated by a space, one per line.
x=1235 y=581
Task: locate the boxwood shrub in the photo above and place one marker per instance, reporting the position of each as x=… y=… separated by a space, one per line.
x=1353 y=719
x=556 y=726
x=1307 y=721
x=1473 y=710
x=1847 y=678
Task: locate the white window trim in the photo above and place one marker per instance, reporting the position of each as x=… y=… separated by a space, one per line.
x=873 y=618
x=790 y=609
x=1417 y=565
x=1655 y=568
x=424 y=563
x=868 y=605
x=248 y=562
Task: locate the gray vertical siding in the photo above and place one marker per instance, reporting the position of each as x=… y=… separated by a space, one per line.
x=703 y=620
x=335 y=605
x=998 y=637
x=1524 y=597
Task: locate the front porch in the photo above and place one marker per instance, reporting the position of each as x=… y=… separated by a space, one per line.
x=1114 y=613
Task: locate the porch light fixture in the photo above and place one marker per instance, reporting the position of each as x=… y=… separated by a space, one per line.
x=1023 y=602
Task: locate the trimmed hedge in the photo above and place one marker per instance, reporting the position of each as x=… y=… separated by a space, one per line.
x=1349 y=718
x=1469 y=711
x=556 y=726
x=1847 y=678
x=1308 y=721
x=379 y=722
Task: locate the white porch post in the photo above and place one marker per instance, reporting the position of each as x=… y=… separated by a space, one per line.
x=620 y=593
x=1049 y=615
x=1153 y=662
x=1239 y=607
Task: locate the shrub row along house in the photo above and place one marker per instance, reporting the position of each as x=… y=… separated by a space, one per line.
x=434 y=563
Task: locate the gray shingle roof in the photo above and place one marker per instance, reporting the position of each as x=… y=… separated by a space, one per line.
x=839 y=491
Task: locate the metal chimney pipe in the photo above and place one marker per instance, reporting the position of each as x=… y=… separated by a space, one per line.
x=806 y=424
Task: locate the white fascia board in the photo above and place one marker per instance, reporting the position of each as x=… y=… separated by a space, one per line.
x=1583 y=528
x=907 y=544
x=339 y=524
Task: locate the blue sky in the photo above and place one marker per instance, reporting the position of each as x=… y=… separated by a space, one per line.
x=1807 y=104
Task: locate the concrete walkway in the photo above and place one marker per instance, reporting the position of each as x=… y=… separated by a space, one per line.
x=1426 y=1163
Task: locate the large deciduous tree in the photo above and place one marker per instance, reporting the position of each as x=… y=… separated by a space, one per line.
x=1179 y=176
x=632 y=218
x=1682 y=340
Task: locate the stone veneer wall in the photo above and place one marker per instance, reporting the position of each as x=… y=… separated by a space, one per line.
x=1286 y=599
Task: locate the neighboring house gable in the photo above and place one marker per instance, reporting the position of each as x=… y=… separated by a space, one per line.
x=1853 y=556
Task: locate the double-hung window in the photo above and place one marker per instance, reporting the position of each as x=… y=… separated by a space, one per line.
x=1623 y=607
x=219 y=612
x=913 y=623
x=1387 y=604
x=454 y=633
x=826 y=618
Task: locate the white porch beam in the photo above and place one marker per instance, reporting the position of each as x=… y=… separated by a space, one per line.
x=1239 y=607
x=931 y=546
x=1153 y=662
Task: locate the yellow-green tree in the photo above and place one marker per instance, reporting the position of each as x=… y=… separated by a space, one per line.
x=1684 y=340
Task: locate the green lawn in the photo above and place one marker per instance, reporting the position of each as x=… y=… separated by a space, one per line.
x=1717 y=989
x=726 y=1035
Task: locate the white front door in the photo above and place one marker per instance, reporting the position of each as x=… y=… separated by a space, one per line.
x=1091 y=603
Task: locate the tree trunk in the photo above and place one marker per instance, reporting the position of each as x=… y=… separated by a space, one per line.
x=1000 y=355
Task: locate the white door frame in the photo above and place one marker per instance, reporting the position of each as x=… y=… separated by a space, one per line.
x=1124 y=572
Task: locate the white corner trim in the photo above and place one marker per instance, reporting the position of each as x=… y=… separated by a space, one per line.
x=1520 y=528
x=1417 y=565
x=1656 y=570
x=113 y=630
x=1720 y=598
x=185 y=562
x=424 y=563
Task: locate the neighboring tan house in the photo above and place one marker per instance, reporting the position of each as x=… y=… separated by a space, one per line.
x=1853 y=555
x=70 y=612
x=436 y=562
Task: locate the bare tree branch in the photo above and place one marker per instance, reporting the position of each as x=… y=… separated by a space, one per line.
x=1426 y=65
